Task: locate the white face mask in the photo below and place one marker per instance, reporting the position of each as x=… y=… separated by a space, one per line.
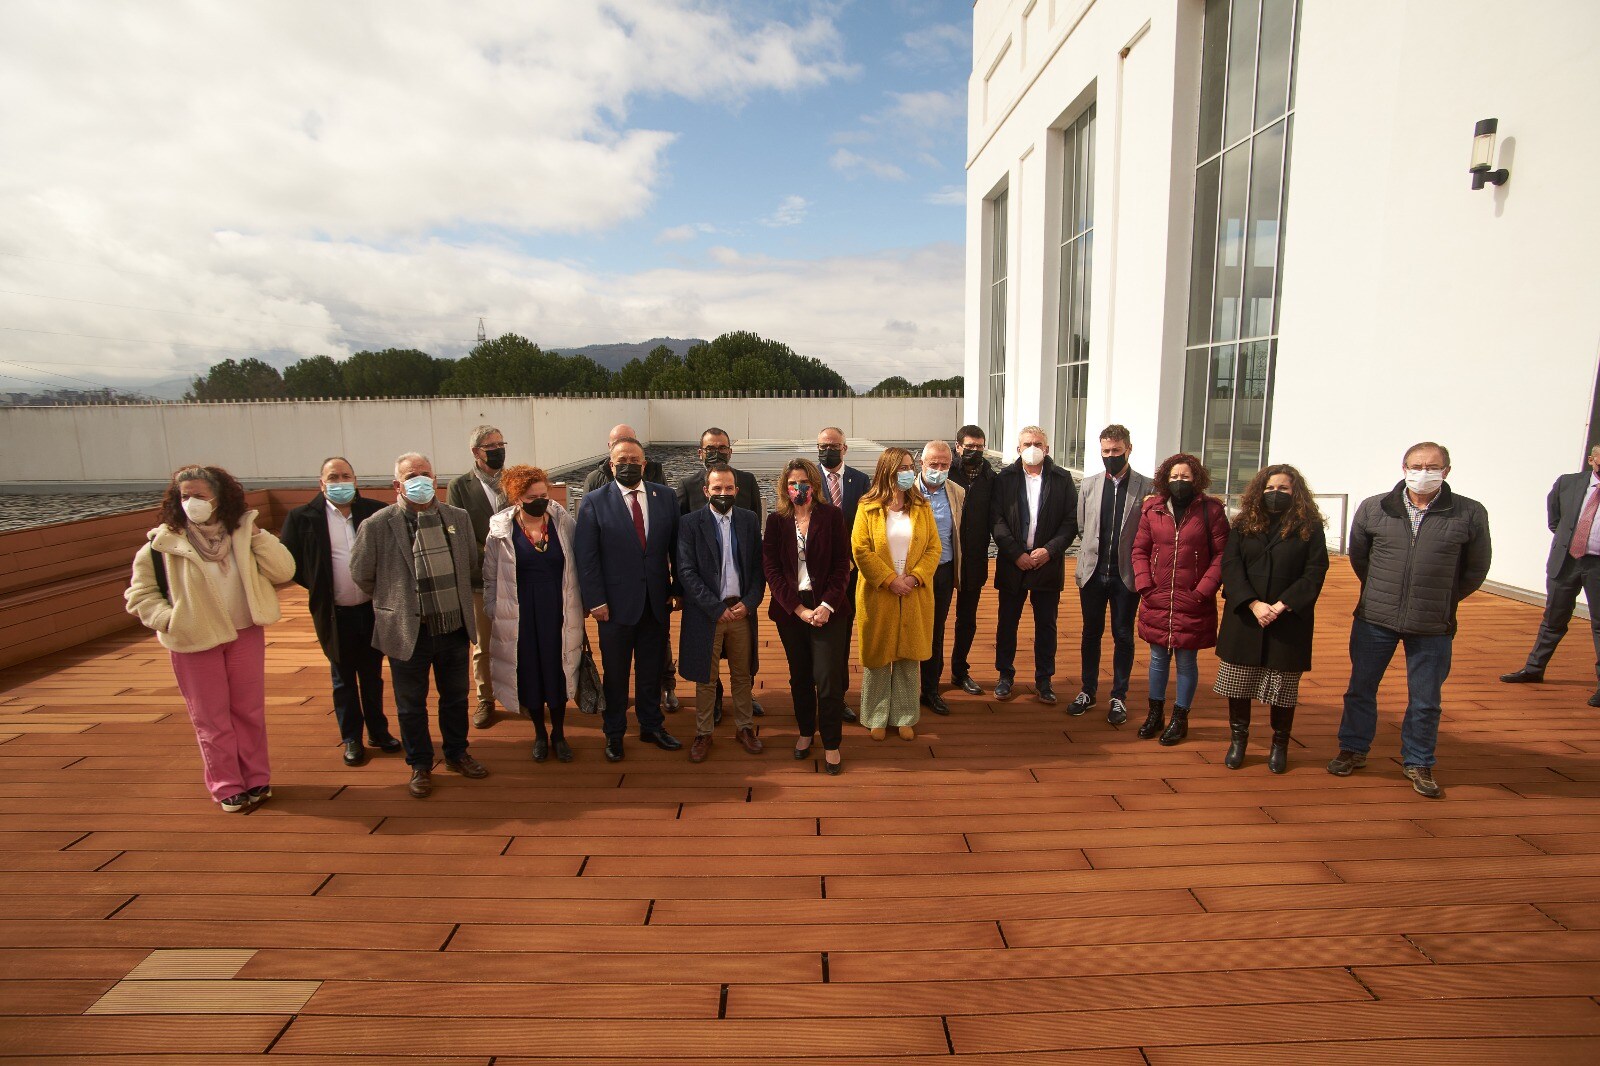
x=1033 y=455
x=198 y=510
x=1424 y=482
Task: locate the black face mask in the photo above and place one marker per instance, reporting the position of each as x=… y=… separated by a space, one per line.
x=716 y=455
x=1115 y=464
x=494 y=458
x=830 y=458
x=536 y=508
x=972 y=457
x=628 y=474
x=723 y=504
x=1180 y=491
x=1276 y=501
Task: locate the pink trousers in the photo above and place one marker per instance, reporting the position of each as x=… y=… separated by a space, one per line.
x=226 y=693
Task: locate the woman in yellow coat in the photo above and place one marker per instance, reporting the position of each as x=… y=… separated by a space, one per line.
x=896 y=547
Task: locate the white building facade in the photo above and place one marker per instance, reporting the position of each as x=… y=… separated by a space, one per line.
x=1246 y=229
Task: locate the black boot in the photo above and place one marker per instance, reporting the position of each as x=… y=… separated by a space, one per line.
x=1239 y=727
x=1177 y=729
x=1282 y=723
x=1154 y=720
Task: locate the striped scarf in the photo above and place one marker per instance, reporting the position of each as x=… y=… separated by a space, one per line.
x=435 y=569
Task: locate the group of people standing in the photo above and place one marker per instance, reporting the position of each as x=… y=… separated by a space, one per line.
x=487 y=595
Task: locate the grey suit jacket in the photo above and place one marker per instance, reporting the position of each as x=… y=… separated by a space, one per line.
x=381 y=565
x=1089 y=498
x=1563 y=506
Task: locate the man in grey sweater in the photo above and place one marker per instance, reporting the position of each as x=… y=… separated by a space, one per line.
x=1419 y=550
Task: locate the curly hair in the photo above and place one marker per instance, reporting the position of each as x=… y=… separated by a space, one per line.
x=785 y=506
x=883 y=479
x=230 y=504
x=516 y=480
x=1202 y=476
x=1299 y=520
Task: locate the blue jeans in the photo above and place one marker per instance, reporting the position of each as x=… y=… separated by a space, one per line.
x=1427 y=665
x=1188 y=673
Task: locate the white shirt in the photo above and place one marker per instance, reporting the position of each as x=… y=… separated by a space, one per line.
x=341 y=539
x=898 y=527
x=803 y=578
x=1033 y=483
x=644 y=503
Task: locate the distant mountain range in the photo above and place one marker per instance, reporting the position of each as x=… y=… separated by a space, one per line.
x=617 y=356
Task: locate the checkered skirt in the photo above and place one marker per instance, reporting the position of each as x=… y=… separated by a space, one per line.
x=1273 y=687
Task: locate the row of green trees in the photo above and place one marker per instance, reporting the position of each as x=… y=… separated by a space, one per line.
x=514 y=366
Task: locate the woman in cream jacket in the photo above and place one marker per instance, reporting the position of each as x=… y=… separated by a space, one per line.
x=219 y=573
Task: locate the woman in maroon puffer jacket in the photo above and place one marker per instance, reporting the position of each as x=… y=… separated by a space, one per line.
x=1177 y=570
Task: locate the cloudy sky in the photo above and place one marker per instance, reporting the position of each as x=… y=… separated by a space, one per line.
x=185 y=182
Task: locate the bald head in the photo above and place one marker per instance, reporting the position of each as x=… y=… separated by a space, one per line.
x=620 y=431
x=937 y=449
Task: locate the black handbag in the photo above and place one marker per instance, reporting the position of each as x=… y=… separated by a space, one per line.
x=591 y=696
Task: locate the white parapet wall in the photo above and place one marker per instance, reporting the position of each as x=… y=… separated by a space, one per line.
x=286 y=441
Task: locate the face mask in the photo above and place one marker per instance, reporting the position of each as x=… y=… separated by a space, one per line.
x=723 y=504
x=419 y=489
x=199 y=510
x=717 y=455
x=934 y=478
x=905 y=479
x=1424 y=482
x=972 y=457
x=536 y=508
x=1276 y=501
x=800 y=493
x=829 y=457
x=1180 y=491
x=340 y=492
x=1032 y=455
x=494 y=458
x=629 y=474
x=1115 y=464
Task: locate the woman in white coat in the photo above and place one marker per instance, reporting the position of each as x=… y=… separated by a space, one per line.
x=530 y=595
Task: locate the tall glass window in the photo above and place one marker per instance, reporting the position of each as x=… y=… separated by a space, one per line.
x=1077 y=248
x=1241 y=186
x=997 y=319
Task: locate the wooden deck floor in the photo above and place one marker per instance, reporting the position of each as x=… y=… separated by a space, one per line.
x=1016 y=886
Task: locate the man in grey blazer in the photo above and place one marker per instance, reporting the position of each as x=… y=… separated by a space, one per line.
x=1108 y=516
x=415 y=559
x=1574 y=565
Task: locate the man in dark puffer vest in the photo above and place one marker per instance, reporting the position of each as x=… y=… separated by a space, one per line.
x=1418 y=550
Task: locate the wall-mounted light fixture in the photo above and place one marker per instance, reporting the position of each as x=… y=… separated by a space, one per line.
x=1483 y=155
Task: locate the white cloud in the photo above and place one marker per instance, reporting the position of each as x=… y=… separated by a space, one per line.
x=939 y=44
x=924 y=111
x=686 y=232
x=850 y=164
x=791 y=211
x=948 y=196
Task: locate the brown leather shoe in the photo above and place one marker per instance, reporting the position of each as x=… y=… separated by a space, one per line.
x=483 y=717
x=421 y=785
x=751 y=742
x=467 y=766
x=700 y=747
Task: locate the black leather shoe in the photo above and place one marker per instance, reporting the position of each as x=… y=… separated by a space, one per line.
x=805 y=752
x=967 y=685
x=1002 y=691
x=389 y=745
x=669 y=702
x=354 y=753
x=936 y=704
x=757 y=710
x=541 y=749
x=562 y=749
x=662 y=739
x=1523 y=677
x=1594 y=700
x=850 y=715
x=833 y=769
x=1045 y=693
x=613 y=749
x=1154 y=720
x=1177 y=727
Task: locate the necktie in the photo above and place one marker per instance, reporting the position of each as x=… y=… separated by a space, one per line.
x=835 y=491
x=638 y=519
x=1580 y=536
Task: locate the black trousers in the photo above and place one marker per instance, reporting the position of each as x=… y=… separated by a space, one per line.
x=358 y=676
x=842 y=652
x=814 y=674
x=1046 y=605
x=974 y=575
x=449 y=657
x=1101 y=591
x=623 y=650
x=944 y=587
x=1561 y=597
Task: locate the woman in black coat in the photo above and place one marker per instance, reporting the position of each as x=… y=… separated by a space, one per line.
x=1272 y=574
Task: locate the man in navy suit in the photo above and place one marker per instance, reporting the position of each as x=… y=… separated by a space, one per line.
x=842 y=486
x=626 y=538
x=719 y=569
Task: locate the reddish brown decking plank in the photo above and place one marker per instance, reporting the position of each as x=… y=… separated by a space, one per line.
x=868 y=886
x=758 y=938
x=1482 y=980
x=68 y=964
x=655 y=1039
x=1578 y=945
x=832 y=865
x=1573 y=915
x=1522 y=1051
x=490 y=885
x=181 y=933
x=561 y=967
x=416 y=999
x=1565 y=843
x=1286 y=1022
x=933 y=817
x=1433 y=869
x=180 y=1059
x=1298 y=850
x=416 y=862
x=1384 y=894
x=129 y=883
x=50 y=997
x=841 y=910
x=322 y=908
x=931 y=844
x=1106 y=1057
x=89 y=906
x=41 y=1036
x=297 y=843
x=1249 y=833
x=602 y=824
